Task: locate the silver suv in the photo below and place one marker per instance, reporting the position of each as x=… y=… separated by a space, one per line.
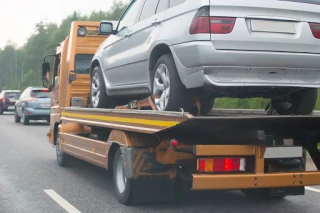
x=179 y=50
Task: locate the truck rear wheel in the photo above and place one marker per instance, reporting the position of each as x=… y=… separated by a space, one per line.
x=122 y=185
x=17 y=119
x=98 y=94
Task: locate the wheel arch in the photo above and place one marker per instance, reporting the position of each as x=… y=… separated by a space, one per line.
x=94 y=63
x=55 y=132
x=112 y=150
x=157 y=51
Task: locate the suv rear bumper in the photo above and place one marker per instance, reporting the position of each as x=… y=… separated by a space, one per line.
x=37 y=112
x=7 y=107
x=200 y=64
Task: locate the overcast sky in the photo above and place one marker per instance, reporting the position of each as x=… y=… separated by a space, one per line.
x=18 y=17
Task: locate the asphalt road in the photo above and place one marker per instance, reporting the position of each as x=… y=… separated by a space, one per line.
x=28 y=167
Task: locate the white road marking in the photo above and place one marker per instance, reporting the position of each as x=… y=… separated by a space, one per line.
x=312 y=189
x=62 y=202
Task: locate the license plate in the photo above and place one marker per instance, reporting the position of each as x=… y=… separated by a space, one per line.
x=11 y=108
x=273 y=26
x=44 y=105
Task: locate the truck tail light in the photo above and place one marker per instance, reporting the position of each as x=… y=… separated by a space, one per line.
x=204 y=23
x=315 y=28
x=221 y=164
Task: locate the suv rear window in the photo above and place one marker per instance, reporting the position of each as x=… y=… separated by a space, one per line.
x=14 y=95
x=40 y=94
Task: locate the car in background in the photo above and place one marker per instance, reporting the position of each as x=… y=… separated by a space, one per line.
x=34 y=104
x=180 y=50
x=8 y=99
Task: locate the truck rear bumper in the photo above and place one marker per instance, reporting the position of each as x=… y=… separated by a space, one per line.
x=247 y=181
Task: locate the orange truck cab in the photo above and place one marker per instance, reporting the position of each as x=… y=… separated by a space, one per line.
x=71 y=63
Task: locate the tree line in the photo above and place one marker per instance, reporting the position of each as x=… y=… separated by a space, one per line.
x=20 y=66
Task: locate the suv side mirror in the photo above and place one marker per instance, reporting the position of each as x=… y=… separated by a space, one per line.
x=45 y=71
x=106 y=28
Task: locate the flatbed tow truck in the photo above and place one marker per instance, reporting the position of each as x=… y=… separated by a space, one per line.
x=154 y=155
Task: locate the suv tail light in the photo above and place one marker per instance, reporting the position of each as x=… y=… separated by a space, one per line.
x=221 y=164
x=220 y=25
x=315 y=28
x=3 y=100
x=204 y=23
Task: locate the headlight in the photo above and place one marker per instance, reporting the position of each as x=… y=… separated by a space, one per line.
x=82 y=31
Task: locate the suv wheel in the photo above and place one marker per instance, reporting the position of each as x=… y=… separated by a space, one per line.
x=166 y=84
x=17 y=119
x=206 y=107
x=1 y=110
x=303 y=103
x=98 y=94
x=24 y=118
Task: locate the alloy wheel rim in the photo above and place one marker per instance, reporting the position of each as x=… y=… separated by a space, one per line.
x=161 y=87
x=95 y=90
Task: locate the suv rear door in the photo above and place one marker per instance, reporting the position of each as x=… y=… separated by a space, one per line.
x=39 y=99
x=143 y=37
x=117 y=47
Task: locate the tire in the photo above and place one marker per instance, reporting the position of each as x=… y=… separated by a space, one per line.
x=102 y=100
x=17 y=119
x=206 y=107
x=61 y=156
x=179 y=96
x=123 y=191
x=1 y=110
x=24 y=118
x=303 y=103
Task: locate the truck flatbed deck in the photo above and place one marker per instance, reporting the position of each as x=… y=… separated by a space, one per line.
x=149 y=121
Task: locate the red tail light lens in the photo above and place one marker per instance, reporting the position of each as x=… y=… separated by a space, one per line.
x=213 y=25
x=204 y=23
x=3 y=100
x=200 y=25
x=315 y=28
x=219 y=25
x=221 y=164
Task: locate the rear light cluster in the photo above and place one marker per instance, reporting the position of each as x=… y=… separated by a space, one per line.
x=221 y=164
x=30 y=99
x=204 y=23
x=3 y=100
x=315 y=28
